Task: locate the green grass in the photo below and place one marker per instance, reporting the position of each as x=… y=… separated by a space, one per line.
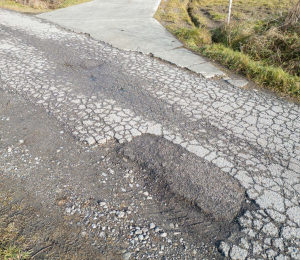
x=9 y=237
x=13 y=253
x=217 y=15
x=192 y=37
x=253 y=44
x=267 y=76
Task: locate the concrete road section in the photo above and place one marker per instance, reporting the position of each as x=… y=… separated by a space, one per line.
x=129 y=25
x=106 y=99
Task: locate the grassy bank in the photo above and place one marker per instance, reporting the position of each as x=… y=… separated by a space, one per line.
x=38 y=6
x=260 y=42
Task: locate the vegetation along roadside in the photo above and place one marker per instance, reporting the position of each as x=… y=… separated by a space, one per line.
x=38 y=6
x=262 y=40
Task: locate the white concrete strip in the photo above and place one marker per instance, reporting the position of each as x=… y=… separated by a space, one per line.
x=129 y=25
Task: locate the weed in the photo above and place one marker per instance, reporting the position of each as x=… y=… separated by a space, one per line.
x=8 y=250
x=13 y=253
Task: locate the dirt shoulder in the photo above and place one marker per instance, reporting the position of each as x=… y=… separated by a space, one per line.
x=42 y=168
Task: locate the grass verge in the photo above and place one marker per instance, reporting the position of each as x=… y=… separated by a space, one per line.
x=267 y=76
x=38 y=6
x=254 y=44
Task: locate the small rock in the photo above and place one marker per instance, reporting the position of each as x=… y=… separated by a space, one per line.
x=163 y=234
x=138 y=232
x=152 y=225
x=127 y=256
x=224 y=248
x=90 y=140
x=121 y=214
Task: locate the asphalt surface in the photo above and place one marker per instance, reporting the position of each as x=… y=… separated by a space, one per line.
x=105 y=101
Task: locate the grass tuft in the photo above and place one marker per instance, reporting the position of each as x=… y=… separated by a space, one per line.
x=13 y=253
x=8 y=249
x=194 y=37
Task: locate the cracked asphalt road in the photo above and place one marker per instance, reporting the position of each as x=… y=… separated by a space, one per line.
x=104 y=98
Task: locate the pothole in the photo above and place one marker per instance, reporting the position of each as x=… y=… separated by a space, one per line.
x=203 y=198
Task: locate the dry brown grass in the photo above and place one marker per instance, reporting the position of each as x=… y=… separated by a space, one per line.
x=38 y=6
x=250 y=10
x=293 y=15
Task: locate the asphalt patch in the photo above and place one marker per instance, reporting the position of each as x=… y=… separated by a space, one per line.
x=214 y=192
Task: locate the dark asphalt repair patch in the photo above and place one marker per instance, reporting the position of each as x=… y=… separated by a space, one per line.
x=215 y=192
